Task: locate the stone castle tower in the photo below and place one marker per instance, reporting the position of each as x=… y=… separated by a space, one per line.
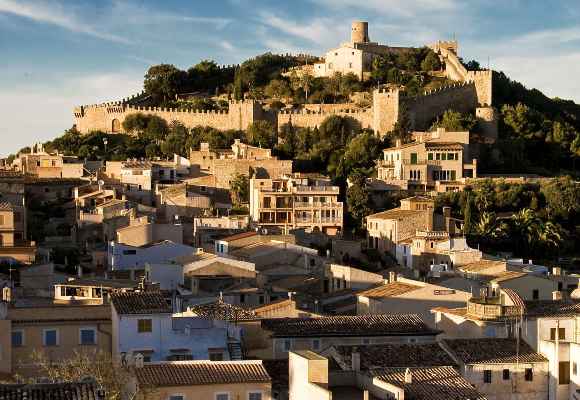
x=359 y=32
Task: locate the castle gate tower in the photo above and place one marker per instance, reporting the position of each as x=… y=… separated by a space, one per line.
x=359 y=32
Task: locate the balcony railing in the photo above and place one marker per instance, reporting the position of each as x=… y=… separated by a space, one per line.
x=303 y=188
x=316 y=204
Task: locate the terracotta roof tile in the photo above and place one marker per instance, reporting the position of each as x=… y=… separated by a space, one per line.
x=550 y=308
x=395 y=213
x=187 y=373
x=508 y=275
x=140 y=303
x=348 y=325
x=392 y=289
x=493 y=351
x=219 y=310
x=432 y=383
x=53 y=391
x=397 y=355
x=238 y=236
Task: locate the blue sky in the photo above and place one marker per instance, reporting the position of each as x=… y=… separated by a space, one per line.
x=56 y=53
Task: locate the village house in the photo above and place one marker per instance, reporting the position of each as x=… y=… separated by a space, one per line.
x=411 y=232
x=41 y=164
x=296 y=201
x=55 y=330
x=312 y=376
x=206 y=230
x=409 y=296
x=242 y=159
x=125 y=257
x=144 y=323
x=434 y=161
x=501 y=369
x=215 y=380
x=290 y=334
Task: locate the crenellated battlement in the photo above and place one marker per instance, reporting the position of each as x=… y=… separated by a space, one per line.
x=325 y=112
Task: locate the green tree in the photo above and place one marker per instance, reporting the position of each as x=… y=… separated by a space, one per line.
x=562 y=197
x=176 y=141
x=163 y=82
x=240 y=190
x=430 y=62
x=467 y=215
x=261 y=133
x=454 y=121
x=358 y=199
x=277 y=88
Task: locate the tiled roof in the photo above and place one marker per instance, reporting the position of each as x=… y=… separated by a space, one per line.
x=453 y=145
x=550 y=308
x=140 y=303
x=187 y=373
x=275 y=305
x=395 y=213
x=508 y=275
x=219 y=310
x=348 y=325
x=136 y=164
x=493 y=351
x=53 y=391
x=6 y=206
x=389 y=290
x=397 y=355
x=431 y=383
x=480 y=266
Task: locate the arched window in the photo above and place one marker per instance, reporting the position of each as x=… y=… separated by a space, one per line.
x=115 y=126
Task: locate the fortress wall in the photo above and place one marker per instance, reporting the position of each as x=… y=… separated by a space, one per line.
x=311 y=119
x=423 y=109
x=482 y=80
x=386 y=110
x=225 y=169
x=110 y=117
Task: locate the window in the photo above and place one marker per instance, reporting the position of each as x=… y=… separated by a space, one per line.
x=254 y=395
x=1 y=219
x=144 y=325
x=50 y=337
x=561 y=333
x=430 y=156
x=564 y=373
x=487 y=376
x=366 y=341
x=287 y=345
x=17 y=338
x=315 y=344
x=87 y=336
x=575 y=368
x=506 y=374
x=177 y=397
x=535 y=294
x=222 y=396
x=129 y=252
x=216 y=354
x=529 y=374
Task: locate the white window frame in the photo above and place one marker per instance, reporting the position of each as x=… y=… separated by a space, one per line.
x=87 y=328
x=229 y=394
x=44 y=337
x=21 y=334
x=260 y=392
x=183 y=397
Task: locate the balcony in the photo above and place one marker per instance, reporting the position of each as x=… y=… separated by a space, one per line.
x=317 y=204
x=312 y=189
x=490 y=308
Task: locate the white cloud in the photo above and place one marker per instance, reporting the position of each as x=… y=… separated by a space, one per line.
x=32 y=113
x=54 y=14
x=402 y=8
x=224 y=44
x=317 y=30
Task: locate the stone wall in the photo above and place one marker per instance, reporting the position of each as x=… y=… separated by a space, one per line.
x=109 y=117
x=422 y=110
x=225 y=169
x=312 y=119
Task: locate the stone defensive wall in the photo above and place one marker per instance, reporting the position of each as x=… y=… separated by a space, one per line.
x=311 y=119
x=109 y=117
x=422 y=110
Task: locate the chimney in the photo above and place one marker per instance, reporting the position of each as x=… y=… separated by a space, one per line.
x=557 y=271
x=408 y=376
x=392 y=276
x=366 y=395
x=79 y=271
x=398 y=143
x=355 y=361
x=556 y=295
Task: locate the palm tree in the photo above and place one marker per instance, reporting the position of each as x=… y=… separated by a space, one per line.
x=524 y=226
x=306 y=83
x=549 y=234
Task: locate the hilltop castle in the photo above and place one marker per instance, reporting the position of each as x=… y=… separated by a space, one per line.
x=472 y=90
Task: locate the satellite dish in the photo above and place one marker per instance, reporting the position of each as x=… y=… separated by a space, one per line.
x=101 y=182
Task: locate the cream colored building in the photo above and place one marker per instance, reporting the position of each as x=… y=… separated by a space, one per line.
x=434 y=161
x=141 y=232
x=408 y=296
x=406 y=231
x=41 y=164
x=294 y=202
x=353 y=57
x=201 y=380
x=13 y=243
x=242 y=159
x=57 y=330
